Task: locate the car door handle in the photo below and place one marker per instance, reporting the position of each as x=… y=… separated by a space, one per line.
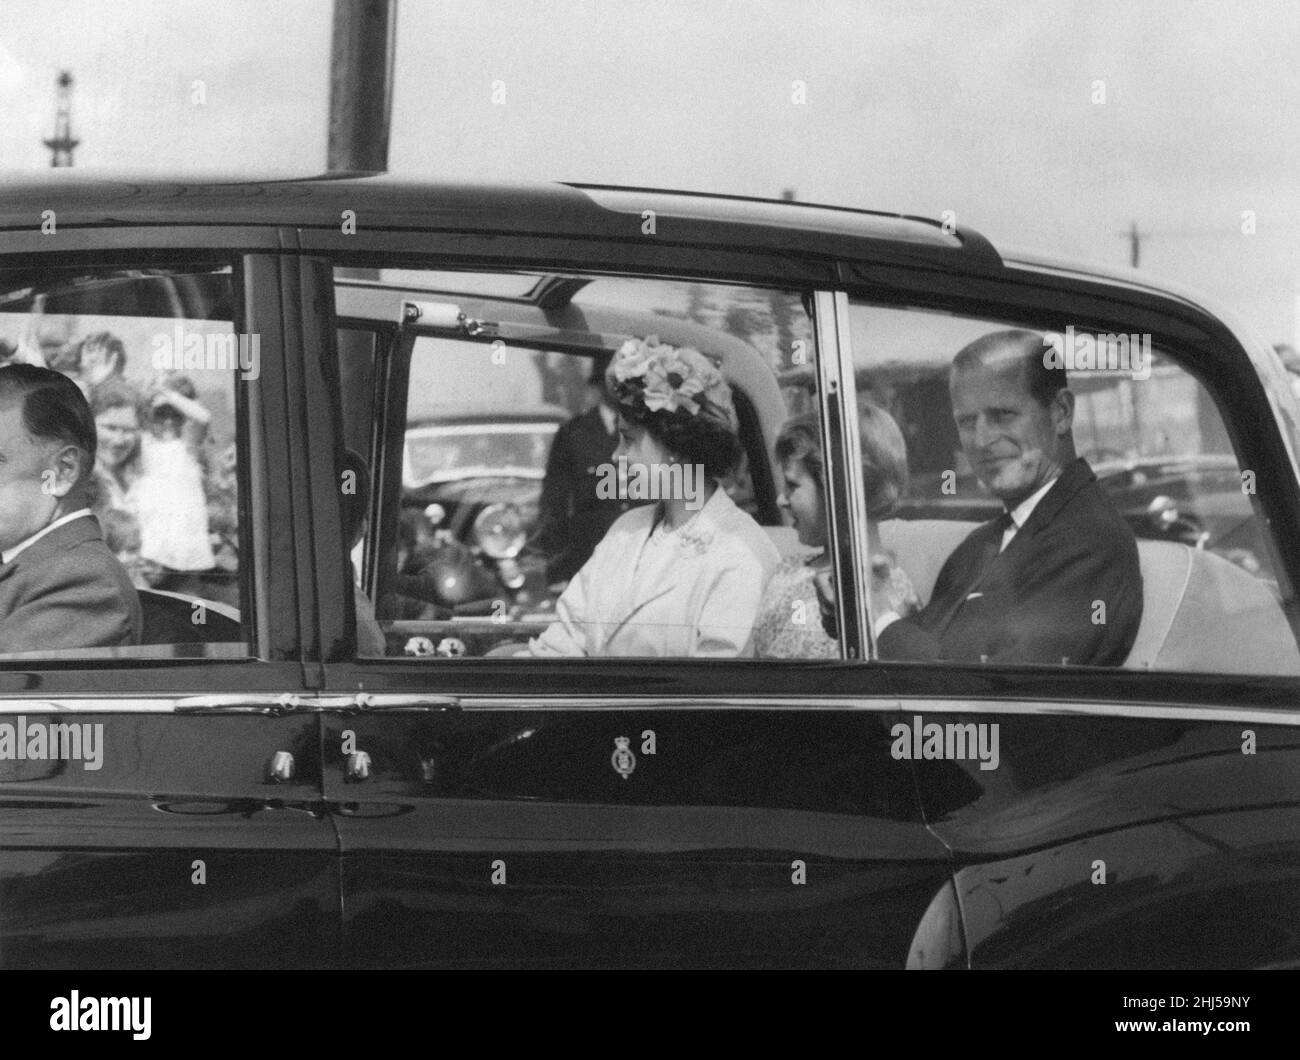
x=358 y=767
x=281 y=767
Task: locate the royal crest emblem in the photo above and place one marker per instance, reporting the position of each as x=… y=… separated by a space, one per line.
x=623 y=759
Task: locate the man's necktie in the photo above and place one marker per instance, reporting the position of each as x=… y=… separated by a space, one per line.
x=993 y=546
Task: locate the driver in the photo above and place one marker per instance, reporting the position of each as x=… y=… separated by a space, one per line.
x=60 y=585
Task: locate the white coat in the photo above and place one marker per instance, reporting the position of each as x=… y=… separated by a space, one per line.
x=693 y=592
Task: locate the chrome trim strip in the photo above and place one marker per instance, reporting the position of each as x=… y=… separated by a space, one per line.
x=1164 y=712
x=273 y=704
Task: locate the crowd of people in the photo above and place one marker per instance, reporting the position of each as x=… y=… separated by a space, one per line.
x=165 y=500
x=683 y=580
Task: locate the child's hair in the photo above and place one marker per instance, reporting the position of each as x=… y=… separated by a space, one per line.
x=884 y=455
x=121 y=530
x=183 y=385
x=166 y=415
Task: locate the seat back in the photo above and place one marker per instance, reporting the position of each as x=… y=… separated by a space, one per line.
x=1203 y=613
x=169 y=619
x=1200 y=612
x=922 y=547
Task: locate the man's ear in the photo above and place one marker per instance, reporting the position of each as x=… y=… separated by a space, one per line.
x=64 y=471
x=1062 y=409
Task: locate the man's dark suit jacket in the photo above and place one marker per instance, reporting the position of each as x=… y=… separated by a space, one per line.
x=1037 y=601
x=572 y=520
x=67 y=590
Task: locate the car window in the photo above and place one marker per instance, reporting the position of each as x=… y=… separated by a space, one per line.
x=1211 y=594
x=517 y=504
x=156 y=571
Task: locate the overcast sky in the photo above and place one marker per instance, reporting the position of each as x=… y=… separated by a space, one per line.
x=984 y=108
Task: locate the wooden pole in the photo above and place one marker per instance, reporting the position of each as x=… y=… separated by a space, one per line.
x=361 y=84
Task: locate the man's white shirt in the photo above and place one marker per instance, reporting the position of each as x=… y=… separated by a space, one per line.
x=1024 y=509
x=1018 y=514
x=10 y=554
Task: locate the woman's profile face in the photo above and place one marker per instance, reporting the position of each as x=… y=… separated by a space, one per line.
x=118 y=430
x=639 y=446
x=801 y=496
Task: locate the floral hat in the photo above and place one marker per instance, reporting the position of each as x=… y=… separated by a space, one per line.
x=661 y=378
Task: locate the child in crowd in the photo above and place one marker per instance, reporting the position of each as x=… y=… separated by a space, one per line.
x=170 y=501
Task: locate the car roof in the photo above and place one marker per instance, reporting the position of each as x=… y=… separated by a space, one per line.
x=106 y=198
x=83 y=198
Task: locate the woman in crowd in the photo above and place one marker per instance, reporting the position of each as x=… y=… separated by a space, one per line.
x=100 y=357
x=682 y=577
x=789 y=624
x=116 y=408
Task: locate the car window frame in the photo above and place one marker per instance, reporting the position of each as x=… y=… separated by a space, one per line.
x=1200 y=344
x=837 y=425
x=271 y=656
x=972 y=287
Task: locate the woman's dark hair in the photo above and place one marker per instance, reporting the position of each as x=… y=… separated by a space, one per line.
x=884 y=455
x=111 y=344
x=694 y=439
x=695 y=418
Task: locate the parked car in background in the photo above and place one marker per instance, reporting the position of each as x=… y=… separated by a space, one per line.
x=434 y=806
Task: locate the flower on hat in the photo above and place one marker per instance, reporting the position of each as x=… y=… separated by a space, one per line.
x=663 y=377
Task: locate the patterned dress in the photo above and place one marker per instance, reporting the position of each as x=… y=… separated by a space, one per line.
x=789 y=624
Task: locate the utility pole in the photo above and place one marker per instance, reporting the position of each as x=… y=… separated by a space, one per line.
x=62 y=143
x=1134 y=245
x=361 y=84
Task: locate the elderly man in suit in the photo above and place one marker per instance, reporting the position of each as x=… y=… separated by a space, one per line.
x=1055 y=578
x=60 y=585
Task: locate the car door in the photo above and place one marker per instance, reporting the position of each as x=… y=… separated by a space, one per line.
x=1125 y=817
x=161 y=803
x=604 y=812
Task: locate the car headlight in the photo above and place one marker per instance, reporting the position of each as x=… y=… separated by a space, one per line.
x=499 y=531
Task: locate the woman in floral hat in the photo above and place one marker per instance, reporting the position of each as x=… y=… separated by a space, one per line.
x=683 y=577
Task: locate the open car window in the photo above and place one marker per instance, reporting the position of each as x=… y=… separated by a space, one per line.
x=497 y=477
x=157 y=559
x=1213 y=594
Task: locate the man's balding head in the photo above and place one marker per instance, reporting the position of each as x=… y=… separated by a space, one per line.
x=47 y=450
x=1016 y=347
x=1014 y=413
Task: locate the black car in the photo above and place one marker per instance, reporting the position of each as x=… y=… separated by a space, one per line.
x=248 y=789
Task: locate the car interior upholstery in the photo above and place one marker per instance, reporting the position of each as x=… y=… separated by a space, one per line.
x=1200 y=612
